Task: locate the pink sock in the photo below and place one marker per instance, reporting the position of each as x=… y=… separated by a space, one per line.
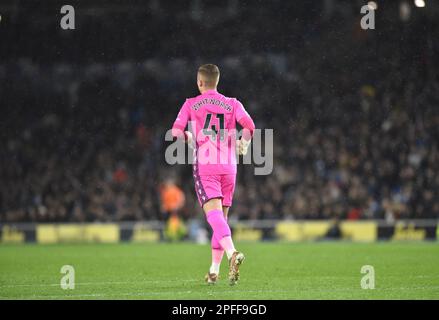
x=221 y=230
x=217 y=252
x=214 y=243
x=226 y=243
x=219 y=225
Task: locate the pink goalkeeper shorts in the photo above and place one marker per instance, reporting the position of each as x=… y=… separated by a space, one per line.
x=215 y=186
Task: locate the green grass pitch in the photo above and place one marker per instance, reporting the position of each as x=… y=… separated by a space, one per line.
x=321 y=270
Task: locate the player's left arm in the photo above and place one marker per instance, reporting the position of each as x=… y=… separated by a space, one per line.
x=248 y=128
x=179 y=126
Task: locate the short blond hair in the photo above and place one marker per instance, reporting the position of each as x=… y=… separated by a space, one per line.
x=210 y=74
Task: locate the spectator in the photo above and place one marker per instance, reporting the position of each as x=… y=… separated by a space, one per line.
x=356 y=122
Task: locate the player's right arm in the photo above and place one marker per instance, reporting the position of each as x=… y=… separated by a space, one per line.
x=248 y=128
x=179 y=126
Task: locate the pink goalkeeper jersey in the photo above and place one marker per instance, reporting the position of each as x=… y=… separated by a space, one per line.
x=212 y=118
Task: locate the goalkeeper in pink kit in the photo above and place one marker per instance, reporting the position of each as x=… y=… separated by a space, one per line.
x=213 y=120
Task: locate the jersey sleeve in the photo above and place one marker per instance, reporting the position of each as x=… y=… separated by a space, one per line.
x=240 y=111
x=181 y=121
x=245 y=121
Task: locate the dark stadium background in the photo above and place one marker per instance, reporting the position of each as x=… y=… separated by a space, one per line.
x=355 y=112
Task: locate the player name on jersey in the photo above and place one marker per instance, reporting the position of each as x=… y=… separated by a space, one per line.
x=211 y=101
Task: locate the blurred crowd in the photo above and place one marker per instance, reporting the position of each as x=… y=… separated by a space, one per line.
x=355 y=116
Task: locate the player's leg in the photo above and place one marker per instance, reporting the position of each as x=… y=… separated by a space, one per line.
x=235 y=260
x=217 y=257
x=208 y=188
x=221 y=231
x=209 y=192
x=211 y=207
x=217 y=249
